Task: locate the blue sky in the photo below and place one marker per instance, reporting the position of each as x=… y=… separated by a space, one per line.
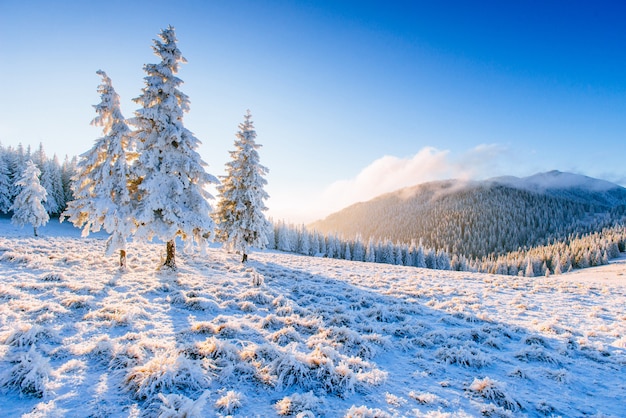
x=350 y=99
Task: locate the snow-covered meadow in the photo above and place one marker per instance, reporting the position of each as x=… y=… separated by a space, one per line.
x=293 y=335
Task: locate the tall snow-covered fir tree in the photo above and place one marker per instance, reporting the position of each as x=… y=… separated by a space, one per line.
x=172 y=195
x=239 y=216
x=101 y=184
x=51 y=181
x=27 y=207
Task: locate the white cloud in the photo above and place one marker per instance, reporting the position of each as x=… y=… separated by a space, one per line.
x=390 y=173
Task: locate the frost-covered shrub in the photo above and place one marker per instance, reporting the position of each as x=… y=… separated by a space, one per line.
x=120 y=314
x=493 y=390
x=301 y=404
x=536 y=353
x=324 y=369
x=382 y=313
x=340 y=320
x=180 y=406
x=229 y=403
x=257 y=296
x=76 y=302
x=29 y=374
x=272 y=322
x=191 y=300
x=27 y=335
x=177 y=297
x=260 y=358
x=365 y=412
x=306 y=324
x=165 y=372
x=349 y=342
x=246 y=306
x=426 y=398
x=229 y=327
x=535 y=340
x=466 y=355
x=123 y=356
x=220 y=358
x=285 y=336
x=291 y=368
x=203 y=327
x=213 y=348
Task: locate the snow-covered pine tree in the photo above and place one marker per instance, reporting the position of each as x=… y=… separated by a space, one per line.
x=304 y=242
x=359 y=249
x=28 y=207
x=51 y=181
x=239 y=218
x=101 y=184
x=347 y=254
x=17 y=164
x=172 y=180
x=39 y=157
x=370 y=251
x=5 y=182
x=68 y=171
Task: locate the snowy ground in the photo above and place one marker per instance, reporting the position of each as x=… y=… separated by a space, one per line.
x=316 y=337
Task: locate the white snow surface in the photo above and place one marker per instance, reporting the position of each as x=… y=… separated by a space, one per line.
x=289 y=335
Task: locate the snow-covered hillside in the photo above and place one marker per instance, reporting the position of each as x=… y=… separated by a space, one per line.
x=295 y=335
x=480 y=219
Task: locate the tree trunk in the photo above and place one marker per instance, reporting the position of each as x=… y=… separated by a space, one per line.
x=244 y=258
x=170 y=259
x=122 y=259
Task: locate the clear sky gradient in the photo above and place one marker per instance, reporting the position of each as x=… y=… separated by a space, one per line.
x=350 y=99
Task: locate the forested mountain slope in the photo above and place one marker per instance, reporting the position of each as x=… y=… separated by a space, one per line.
x=480 y=218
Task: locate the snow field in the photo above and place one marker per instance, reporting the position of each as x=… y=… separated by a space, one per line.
x=288 y=335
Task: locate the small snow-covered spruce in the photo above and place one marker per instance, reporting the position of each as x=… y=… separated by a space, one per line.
x=28 y=205
x=239 y=216
x=172 y=181
x=101 y=184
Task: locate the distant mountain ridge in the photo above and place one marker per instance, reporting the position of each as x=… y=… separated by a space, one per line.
x=478 y=218
x=569 y=185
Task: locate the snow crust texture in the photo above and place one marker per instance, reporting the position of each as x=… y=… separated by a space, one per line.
x=289 y=335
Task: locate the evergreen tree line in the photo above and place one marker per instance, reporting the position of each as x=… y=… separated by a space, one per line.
x=575 y=252
x=298 y=239
x=55 y=177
